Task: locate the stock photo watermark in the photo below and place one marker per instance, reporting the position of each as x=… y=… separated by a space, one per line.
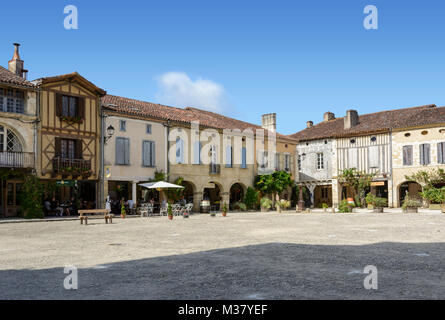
x=71 y=21
x=371 y=280
x=371 y=21
x=71 y=280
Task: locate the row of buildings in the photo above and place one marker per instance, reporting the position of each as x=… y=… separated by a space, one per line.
x=73 y=135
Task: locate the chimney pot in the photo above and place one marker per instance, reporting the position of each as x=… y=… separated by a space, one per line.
x=16 y=64
x=309 y=124
x=328 y=116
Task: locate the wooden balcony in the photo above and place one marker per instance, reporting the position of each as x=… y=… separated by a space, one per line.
x=11 y=159
x=71 y=167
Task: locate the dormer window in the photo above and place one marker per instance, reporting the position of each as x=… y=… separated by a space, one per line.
x=12 y=100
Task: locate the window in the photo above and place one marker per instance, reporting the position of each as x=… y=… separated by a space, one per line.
x=148 y=154
x=320 y=161
x=277 y=161
x=352 y=158
x=287 y=162
x=441 y=152
x=122 y=151
x=408 y=155
x=324 y=193
x=12 y=100
x=122 y=125
x=197 y=152
x=229 y=157
x=68 y=149
x=373 y=156
x=425 y=154
x=9 y=141
x=179 y=151
x=148 y=129
x=263 y=159
x=243 y=158
x=70 y=106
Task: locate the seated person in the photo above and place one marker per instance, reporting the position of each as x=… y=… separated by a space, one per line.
x=72 y=209
x=55 y=207
x=47 y=206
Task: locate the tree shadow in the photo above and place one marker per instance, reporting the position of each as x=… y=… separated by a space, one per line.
x=264 y=271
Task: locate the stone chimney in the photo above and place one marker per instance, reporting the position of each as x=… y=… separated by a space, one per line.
x=269 y=122
x=351 y=119
x=16 y=65
x=309 y=124
x=328 y=116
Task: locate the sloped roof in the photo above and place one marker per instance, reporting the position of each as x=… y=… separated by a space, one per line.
x=383 y=121
x=183 y=115
x=74 y=76
x=8 y=77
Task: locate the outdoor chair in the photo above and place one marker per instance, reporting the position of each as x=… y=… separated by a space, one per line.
x=163 y=211
x=188 y=208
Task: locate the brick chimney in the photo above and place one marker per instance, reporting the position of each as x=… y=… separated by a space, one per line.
x=269 y=122
x=351 y=119
x=328 y=116
x=309 y=124
x=16 y=64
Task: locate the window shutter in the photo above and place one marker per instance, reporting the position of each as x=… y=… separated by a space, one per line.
x=197 y=153
x=352 y=155
x=229 y=157
x=58 y=147
x=127 y=151
x=421 y=153
x=79 y=149
x=81 y=108
x=145 y=154
x=427 y=154
x=58 y=104
x=243 y=158
x=120 y=150
x=440 y=152
x=374 y=155
x=153 y=154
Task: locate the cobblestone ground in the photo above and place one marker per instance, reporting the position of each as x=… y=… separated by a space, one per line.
x=242 y=256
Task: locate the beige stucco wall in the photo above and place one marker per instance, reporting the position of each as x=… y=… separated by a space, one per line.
x=23 y=125
x=416 y=138
x=136 y=133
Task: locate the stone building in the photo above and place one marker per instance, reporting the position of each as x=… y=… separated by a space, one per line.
x=18 y=120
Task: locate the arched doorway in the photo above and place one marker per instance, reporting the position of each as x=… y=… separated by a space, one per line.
x=212 y=192
x=236 y=193
x=411 y=189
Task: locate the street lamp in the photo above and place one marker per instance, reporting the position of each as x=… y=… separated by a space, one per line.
x=110 y=133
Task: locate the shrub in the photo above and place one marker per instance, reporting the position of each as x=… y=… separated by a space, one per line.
x=344 y=206
x=283 y=204
x=266 y=203
x=376 y=201
x=251 y=198
x=411 y=203
x=240 y=205
x=324 y=205
x=31 y=198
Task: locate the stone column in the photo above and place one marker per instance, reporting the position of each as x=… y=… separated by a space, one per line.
x=197 y=197
x=311 y=188
x=134 y=193
x=335 y=193
x=391 y=194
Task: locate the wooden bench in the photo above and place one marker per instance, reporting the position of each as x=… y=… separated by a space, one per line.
x=106 y=214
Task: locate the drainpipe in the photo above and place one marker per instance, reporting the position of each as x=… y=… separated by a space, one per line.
x=102 y=163
x=167 y=143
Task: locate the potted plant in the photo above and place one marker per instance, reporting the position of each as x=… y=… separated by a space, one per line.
x=265 y=204
x=377 y=203
x=324 y=206
x=224 y=209
x=411 y=205
x=212 y=214
x=345 y=206
x=169 y=211
x=283 y=204
x=123 y=212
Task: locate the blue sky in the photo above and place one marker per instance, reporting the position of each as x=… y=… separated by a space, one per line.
x=296 y=58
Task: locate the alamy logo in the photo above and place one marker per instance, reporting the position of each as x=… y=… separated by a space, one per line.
x=370 y=282
x=71 y=21
x=371 y=21
x=71 y=281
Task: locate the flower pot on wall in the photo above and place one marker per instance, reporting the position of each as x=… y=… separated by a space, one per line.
x=378 y=210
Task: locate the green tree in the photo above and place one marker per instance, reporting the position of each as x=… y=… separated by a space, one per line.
x=31 y=197
x=273 y=184
x=251 y=198
x=358 y=180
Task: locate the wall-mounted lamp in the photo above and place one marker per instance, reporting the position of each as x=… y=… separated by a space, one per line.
x=110 y=133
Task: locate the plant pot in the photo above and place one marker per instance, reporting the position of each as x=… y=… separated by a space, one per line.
x=212 y=215
x=185 y=215
x=278 y=209
x=170 y=217
x=324 y=209
x=224 y=214
x=412 y=210
x=123 y=216
x=378 y=210
x=264 y=209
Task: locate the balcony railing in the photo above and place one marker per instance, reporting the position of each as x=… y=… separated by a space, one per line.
x=74 y=167
x=11 y=159
x=214 y=168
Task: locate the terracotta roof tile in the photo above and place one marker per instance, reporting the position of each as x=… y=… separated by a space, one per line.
x=8 y=77
x=383 y=121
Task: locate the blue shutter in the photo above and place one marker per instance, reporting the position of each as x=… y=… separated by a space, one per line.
x=127 y=151
x=153 y=154
x=243 y=158
x=197 y=153
x=440 y=152
x=229 y=157
x=120 y=151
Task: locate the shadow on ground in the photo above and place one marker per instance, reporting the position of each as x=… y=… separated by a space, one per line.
x=266 y=271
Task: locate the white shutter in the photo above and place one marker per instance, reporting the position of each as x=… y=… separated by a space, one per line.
x=374 y=156
x=352 y=158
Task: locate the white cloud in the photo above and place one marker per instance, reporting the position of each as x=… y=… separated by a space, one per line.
x=179 y=90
